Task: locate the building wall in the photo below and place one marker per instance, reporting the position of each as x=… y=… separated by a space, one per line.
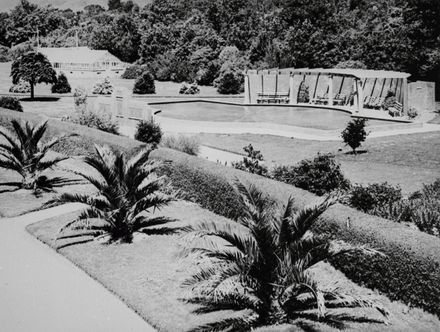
x=422 y=95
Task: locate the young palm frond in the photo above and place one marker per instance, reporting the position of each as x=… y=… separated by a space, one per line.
x=128 y=191
x=259 y=267
x=24 y=153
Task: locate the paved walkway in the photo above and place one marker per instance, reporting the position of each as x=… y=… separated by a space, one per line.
x=41 y=290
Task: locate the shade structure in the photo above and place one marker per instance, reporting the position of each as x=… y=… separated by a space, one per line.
x=357 y=89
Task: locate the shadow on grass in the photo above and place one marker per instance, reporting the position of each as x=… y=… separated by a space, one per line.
x=40 y=99
x=357 y=152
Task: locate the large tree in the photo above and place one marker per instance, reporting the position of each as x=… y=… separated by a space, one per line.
x=34 y=68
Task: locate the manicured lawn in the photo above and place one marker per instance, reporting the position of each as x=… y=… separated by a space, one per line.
x=16 y=202
x=405 y=160
x=147 y=276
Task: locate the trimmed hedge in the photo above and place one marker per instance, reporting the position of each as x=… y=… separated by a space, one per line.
x=409 y=272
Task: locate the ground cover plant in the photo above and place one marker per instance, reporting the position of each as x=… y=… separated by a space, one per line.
x=259 y=267
x=11 y=103
x=25 y=153
x=128 y=191
x=100 y=120
x=366 y=198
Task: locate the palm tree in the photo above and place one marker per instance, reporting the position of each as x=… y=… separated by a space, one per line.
x=127 y=191
x=260 y=267
x=23 y=152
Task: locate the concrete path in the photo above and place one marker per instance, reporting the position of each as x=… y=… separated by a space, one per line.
x=41 y=291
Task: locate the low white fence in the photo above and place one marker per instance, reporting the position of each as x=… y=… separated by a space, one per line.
x=122 y=105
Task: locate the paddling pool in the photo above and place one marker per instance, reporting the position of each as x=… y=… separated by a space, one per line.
x=318 y=118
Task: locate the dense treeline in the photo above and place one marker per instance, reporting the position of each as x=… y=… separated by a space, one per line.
x=186 y=40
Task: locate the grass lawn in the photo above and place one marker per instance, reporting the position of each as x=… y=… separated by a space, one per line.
x=405 y=160
x=16 y=202
x=147 y=275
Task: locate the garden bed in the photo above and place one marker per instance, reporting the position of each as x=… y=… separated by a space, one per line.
x=147 y=276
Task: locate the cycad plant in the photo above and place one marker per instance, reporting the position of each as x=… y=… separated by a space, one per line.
x=260 y=266
x=127 y=192
x=23 y=151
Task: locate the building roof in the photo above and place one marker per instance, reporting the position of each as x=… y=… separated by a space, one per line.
x=76 y=55
x=359 y=73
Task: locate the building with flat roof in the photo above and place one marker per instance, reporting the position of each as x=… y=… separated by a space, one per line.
x=83 y=61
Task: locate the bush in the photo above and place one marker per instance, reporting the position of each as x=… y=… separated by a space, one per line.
x=144 y=84
x=303 y=93
x=366 y=198
x=191 y=89
x=320 y=175
x=62 y=85
x=354 y=134
x=251 y=163
x=134 y=71
x=103 y=88
x=228 y=83
x=21 y=87
x=5 y=55
x=412 y=113
x=390 y=100
x=94 y=119
x=148 y=132
x=11 y=103
x=185 y=144
x=80 y=98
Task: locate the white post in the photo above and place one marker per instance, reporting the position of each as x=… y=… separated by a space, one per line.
x=330 y=90
x=360 y=92
x=292 y=95
x=405 y=95
x=246 y=89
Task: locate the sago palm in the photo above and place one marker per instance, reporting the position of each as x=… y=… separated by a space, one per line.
x=23 y=151
x=128 y=191
x=260 y=266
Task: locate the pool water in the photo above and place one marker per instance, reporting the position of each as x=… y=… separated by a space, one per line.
x=317 y=118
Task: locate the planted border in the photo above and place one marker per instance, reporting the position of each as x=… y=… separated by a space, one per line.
x=410 y=272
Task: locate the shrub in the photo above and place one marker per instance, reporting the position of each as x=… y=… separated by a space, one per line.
x=11 y=103
x=5 y=55
x=228 y=83
x=144 y=84
x=191 y=89
x=61 y=85
x=21 y=87
x=200 y=186
x=185 y=144
x=303 y=93
x=366 y=198
x=354 y=134
x=94 y=119
x=103 y=88
x=148 y=132
x=134 y=71
x=390 y=100
x=251 y=163
x=320 y=175
x=412 y=113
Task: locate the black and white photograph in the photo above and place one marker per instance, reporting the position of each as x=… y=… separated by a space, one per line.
x=219 y=165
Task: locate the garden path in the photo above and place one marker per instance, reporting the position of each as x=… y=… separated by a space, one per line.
x=42 y=291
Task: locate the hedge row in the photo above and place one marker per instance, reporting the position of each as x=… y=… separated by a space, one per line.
x=409 y=272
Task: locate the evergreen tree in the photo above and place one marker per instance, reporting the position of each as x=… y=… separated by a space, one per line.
x=144 y=84
x=61 y=85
